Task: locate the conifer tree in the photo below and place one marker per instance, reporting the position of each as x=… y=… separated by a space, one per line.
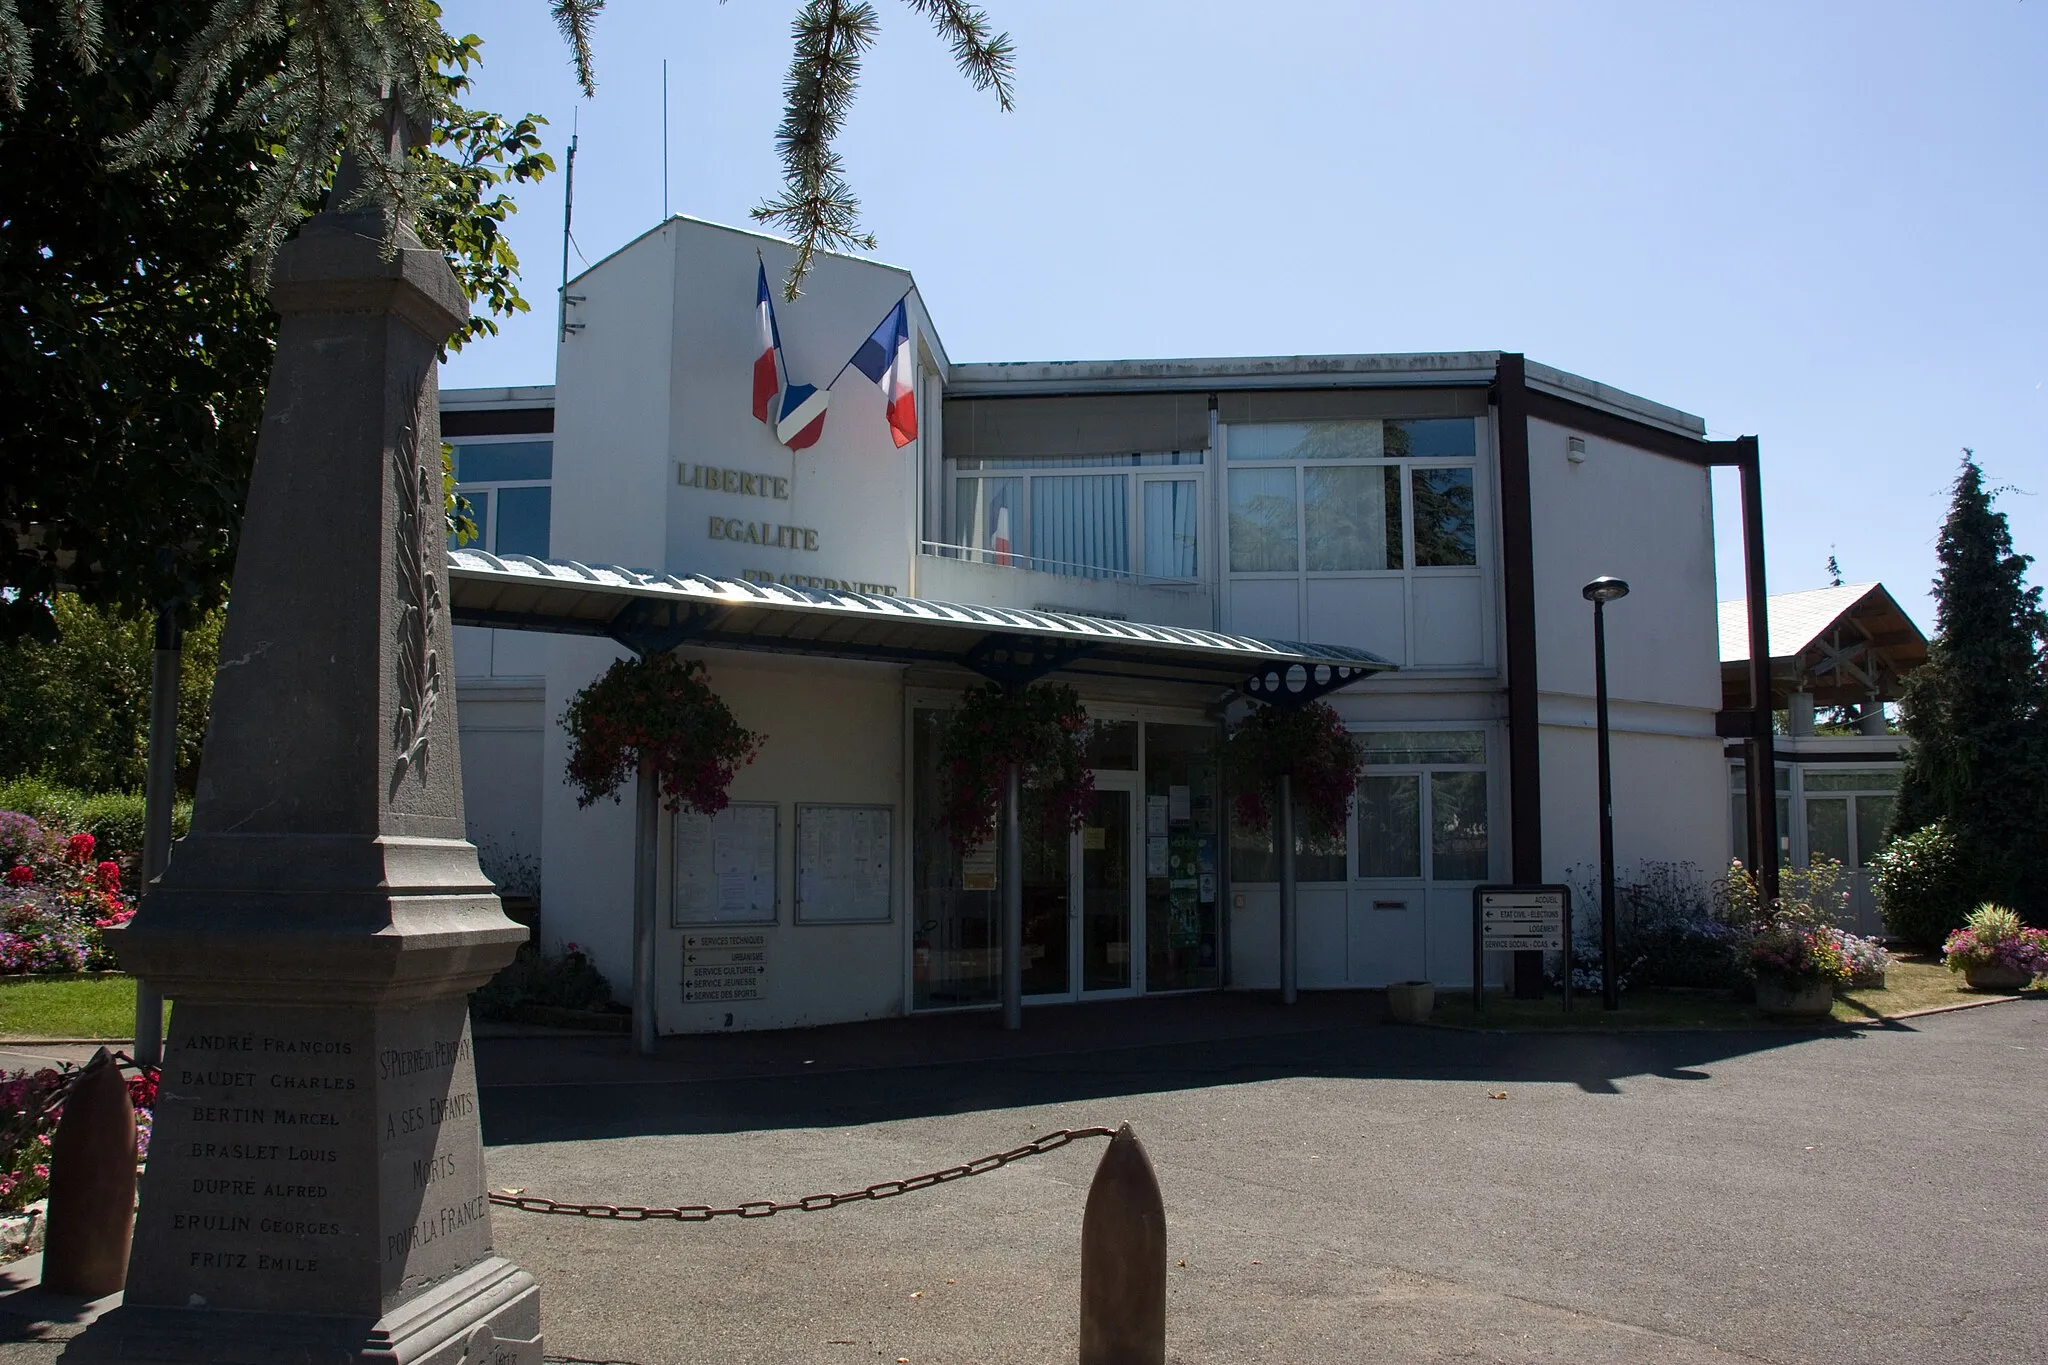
x=1977 y=711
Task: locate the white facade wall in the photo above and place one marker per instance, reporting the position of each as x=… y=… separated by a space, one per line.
x=1647 y=519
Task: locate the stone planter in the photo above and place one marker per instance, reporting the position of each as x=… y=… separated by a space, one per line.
x=1994 y=976
x=1870 y=981
x=1410 y=1002
x=1793 y=998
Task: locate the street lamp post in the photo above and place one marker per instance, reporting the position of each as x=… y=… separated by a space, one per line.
x=1600 y=592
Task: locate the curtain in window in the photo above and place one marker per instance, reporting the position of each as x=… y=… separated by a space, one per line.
x=1170 y=528
x=1081 y=524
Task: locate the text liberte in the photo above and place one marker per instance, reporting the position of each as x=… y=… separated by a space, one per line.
x=714 y=480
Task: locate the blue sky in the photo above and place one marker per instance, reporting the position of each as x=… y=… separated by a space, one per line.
x=1821 y=223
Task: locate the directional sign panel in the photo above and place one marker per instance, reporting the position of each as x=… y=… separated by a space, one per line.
x=721 y=967
x=1521 y=921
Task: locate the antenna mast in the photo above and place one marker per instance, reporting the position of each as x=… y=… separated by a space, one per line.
x=568 y=209
x=664 y=139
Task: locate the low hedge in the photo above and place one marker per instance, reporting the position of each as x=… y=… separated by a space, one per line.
x=113 y=819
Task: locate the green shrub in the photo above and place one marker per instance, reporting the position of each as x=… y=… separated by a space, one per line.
x=113 y=819
x=1924 y=885
x=77 y=708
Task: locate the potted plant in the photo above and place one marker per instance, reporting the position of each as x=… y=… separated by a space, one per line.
x=1411 y=1002
x=1797 y=968
x=1995 y=952
x=1042 y=730
x=1868 y=961
x=660 y=711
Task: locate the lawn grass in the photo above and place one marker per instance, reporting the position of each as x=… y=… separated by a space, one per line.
x=1916 y=982
x=99 y=1006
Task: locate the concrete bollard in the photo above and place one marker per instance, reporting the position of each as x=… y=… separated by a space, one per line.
x=92 y=1185
x=1123 y=1260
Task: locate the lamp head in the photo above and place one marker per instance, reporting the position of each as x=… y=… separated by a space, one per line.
x=1604 y=589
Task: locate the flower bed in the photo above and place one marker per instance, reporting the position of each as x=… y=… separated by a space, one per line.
x=56 y=898
x=31 y=1102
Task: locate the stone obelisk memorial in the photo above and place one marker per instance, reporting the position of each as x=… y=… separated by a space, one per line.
x=315 y=1188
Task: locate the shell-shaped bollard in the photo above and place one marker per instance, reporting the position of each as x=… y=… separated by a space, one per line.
x=1123 y=1260
x=92 y=1185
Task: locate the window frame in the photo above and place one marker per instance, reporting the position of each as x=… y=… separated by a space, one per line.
x=1479 y=464
x=487 y=533
x=1177 y=466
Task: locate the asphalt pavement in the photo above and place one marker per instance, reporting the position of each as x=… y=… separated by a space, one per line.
x=1337 y=1189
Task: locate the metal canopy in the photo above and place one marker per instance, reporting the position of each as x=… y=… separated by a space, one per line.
x=650 y=613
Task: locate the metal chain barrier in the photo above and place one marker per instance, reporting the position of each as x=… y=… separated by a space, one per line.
x=810 y=1203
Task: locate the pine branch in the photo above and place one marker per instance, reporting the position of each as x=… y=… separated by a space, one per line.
x=989 y=63
x=574 y=18
x=16 y=59
x=816 y=205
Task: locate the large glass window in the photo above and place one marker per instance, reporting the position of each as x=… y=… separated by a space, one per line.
x=1389 y=814
x=507 y=484
x=1430 y=821
x=1352 y=515
x=1325 y=499
x=1182 y=951
x=1444 y=531
x=1847 y=812
x=1421 y=811
x=1079 y=515
x=1081 y=523
x=1262 y=521
x=1169 y=537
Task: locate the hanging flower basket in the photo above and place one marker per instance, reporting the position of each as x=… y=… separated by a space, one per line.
x=1309 y=743
x=1043 y=730
x=659 y=709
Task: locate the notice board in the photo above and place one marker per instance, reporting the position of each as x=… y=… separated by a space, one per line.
x=845 y=864
x=725 y=866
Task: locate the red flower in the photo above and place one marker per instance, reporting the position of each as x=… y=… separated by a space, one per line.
x=20 y=875
x=78 y=848
x=107 y=876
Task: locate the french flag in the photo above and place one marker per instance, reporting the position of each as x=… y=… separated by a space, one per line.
x=885 y=359
x=794 y=412
x=768 y=363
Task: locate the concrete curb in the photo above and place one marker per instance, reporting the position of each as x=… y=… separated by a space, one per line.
x=1762 y=1025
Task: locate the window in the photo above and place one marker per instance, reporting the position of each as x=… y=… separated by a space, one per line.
x=1360 y=532
x=507 y=484
x=1429 y=823
x=1738 y=810
x=1420 y=813
x=1847 y=812
x=1094 y=516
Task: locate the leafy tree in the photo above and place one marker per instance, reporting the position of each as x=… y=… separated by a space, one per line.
x=77 y=707
x=135 y=340
x=342 y=63
x=1977 y=711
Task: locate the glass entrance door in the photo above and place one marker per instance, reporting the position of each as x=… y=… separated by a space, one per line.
x=1081 y=900
x=1108 y=890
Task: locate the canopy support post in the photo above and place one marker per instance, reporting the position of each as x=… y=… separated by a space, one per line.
x=1013 y=900
x=646 y=837
x=1289 y=925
